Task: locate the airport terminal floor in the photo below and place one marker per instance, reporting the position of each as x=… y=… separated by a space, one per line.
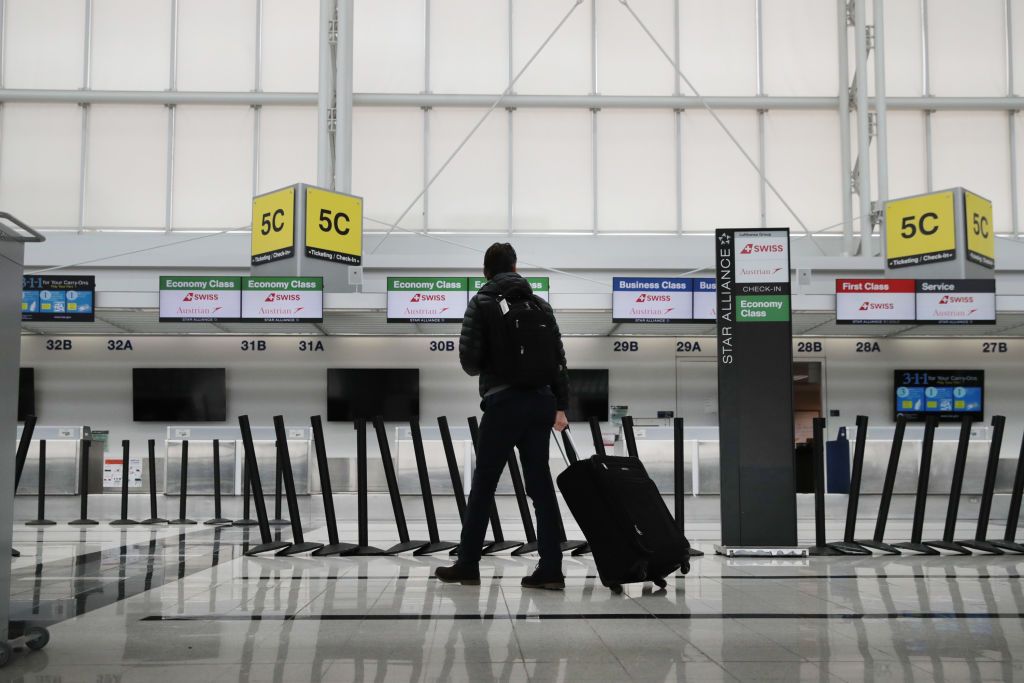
x=183 y=604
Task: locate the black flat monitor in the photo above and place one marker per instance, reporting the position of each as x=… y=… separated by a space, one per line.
x=178 y=395
x=26 y=393
x=946 y=394
x=588 y=395
x=365 y=393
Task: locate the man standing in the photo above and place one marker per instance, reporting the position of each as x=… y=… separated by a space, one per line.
x=511 y=340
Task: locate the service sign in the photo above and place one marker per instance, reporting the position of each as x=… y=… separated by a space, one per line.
x=981 y=239
x=920 y=230
x=190 y=299
x=652 y=300
x=867 y=302
x=956 y=302
x=334 y=226
x=762 y=256
x=273 y=226
x=427 y=299
x=282 y=299
x=705 y=299
x=541 y=286
x=58 y=297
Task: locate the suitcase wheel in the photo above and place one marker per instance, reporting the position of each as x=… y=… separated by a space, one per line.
x=615 y=588
x=660 y=583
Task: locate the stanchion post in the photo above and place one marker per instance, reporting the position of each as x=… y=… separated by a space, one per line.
x=980 y=540
x=820 y=549
x=362 y=485
x=955 y=487
x=679 y=480
x=436 y=544
x=630 y=437
x=21 y=455
x=125 y=455
x=253 y=476
x=334 y=545
x=217 y=512
x=499 y=544
x=595 y=434
x=300 y=545
x=246 y=520
x=40 y=519
x=183 y=494
x=524 y=507
x=279 y=519
x=848 y=546
x=921 y=497
x=388 y=463
x=1013 y=515
x=83 y=483
x=154 y=517
x=877 y=541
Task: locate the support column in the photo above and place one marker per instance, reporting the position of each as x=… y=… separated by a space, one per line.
x=325 y=98
x=881 y=107
x=343 y=99
x=863 y=127
x=844 y=125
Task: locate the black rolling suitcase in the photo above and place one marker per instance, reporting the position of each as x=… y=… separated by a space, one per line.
x=625 y=520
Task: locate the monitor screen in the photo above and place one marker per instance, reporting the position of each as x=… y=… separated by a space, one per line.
x=179 y=394
x=588 y=395
x=366 y=393
x=26 y=393
x=948 y=394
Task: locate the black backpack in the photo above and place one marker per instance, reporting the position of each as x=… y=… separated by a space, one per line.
x=524 y=342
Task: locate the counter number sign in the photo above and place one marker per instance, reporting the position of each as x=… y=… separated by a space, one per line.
x=334 y=226
x=920 y=230
x=981 y=239
x=273 y=226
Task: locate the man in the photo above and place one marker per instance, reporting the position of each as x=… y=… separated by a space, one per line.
x=519 y=408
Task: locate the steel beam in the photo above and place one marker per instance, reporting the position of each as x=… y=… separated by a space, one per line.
x=863 y=132
x=325 y=97
x=343 y=98
x=1011 y=118
x=844 y=126
x=881 y=135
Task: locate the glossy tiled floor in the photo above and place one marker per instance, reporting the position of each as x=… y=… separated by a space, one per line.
x=182 y=604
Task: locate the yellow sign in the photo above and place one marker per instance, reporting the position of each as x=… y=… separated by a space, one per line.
x=981 y=239
x=273 y=226
x=920 y=230
x=334 y=226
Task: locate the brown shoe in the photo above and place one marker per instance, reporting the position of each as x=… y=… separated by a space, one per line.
x=546 y=581
x=461 y=574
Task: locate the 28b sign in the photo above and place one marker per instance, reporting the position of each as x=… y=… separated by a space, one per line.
x=334 y=226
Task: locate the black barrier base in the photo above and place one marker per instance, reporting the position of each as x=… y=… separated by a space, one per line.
x=334 y=549
x=917 y=548
x=849 y=548
x=1009 y=546
x=950 y=546
x=154 y=520
x=583 y=550
x=365 y=551
x=572 y=545
x=219 y=520
x=438 y=547
x=981 y=546
x=500 y=546
x=526 y=548
x=244 y=522
x=183 y=521
x=823 y=551
x=305 y=547
x=266 y=548
x=40 y=522
x=83 y=522
x=880 y=546
x=406 y=546
x=279 y=522
x=693 y=552
x=123 y=522
x=15 y=553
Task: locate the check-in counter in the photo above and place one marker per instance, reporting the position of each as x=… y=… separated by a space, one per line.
x=63 y=457
x=437 y=463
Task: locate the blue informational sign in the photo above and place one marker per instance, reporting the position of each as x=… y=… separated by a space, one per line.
x=58 y=297
x=947 y=394
x=705 y=299
x=652 y=299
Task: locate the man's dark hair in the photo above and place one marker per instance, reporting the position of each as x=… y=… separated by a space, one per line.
x=500 y=258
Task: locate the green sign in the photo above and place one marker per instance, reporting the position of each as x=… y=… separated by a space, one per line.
x=765 y=308
x=540 y=285
x=217 y=283
x=283 y=284
x=427 y=284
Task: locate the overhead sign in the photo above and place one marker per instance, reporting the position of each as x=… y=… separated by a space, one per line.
x=58 y=298
x=273 y=226
x=282 y=299
x=860 y=301
x=652 y=299
x=762 y=256
x=705 y=299
x=981 y=238
x=541 y=286
x=956 y=302
x=920 y=230
x=334 y=226
x=200 y=299
x=427 y=299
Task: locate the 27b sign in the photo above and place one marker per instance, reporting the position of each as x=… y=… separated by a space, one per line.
x=334 y=226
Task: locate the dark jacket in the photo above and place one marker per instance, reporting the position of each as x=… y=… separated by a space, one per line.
x=473 y=346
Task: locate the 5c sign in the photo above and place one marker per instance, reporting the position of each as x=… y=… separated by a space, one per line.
x=920 y=230
x=273 y=226
x=334 y=226
x=981 y=240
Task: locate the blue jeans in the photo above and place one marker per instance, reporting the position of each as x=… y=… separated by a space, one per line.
x=514 y=418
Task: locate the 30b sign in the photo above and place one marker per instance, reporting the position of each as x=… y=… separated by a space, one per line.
x=334 y=226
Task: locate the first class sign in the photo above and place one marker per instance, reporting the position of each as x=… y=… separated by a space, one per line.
x=652 y=299
x=875 y=301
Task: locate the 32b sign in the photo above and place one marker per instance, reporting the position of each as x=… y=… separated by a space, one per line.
x=334 y=226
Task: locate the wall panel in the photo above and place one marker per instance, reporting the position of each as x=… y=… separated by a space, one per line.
x=636 y=171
